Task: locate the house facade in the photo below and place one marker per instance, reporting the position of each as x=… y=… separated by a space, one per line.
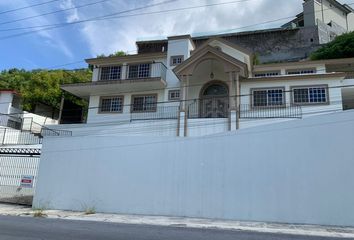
x=212 y=88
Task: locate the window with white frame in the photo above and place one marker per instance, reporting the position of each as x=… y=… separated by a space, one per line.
x=111 y=73
x=300 y=71
x=144 y=103
x=310 y=95
x=266 y=74
x=111 y=104
x=139 y=70
x=176 y=60
x=268 y=97
x=174 y=95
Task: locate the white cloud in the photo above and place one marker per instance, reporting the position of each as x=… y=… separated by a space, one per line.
x=73 y=14
x=121 y=34
x=49 y=38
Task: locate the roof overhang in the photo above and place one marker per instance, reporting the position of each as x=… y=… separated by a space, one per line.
x=309 y=63
x=339 y=75
x=85 y=90
x=146 y=57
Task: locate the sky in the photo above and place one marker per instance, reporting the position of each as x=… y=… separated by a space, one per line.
x=84 y=33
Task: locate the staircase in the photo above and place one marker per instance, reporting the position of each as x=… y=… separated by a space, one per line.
x=9 y=136
x=28 y=132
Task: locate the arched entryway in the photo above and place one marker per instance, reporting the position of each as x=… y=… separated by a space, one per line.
x=214 y=100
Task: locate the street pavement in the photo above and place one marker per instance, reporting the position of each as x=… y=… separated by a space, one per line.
x=30 y=228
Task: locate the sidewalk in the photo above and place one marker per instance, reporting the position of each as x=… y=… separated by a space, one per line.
x=308 y=230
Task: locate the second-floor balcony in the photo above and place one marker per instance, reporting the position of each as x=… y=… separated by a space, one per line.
x=117 y=79
x=133 y=72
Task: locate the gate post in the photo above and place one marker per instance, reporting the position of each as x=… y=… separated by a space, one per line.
x=233 y=120
x=182 y=124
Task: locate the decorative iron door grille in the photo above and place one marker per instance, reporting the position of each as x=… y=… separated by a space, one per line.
x=214 y=107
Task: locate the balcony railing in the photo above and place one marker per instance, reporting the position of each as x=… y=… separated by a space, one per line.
x=144 y=71
x=219 y=108
x=248 y=111
x=161 y=112
x=136 y=72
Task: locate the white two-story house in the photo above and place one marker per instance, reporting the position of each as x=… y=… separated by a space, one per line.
x=186 y=90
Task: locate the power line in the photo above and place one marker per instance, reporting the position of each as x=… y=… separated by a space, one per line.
x=54 y=12
x=30 y=6
x=108 y=17
x=262 y=23
x=64 y=24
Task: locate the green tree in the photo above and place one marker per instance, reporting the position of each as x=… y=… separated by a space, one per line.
x=116 y=54
x=43 y=86
x=341 y=47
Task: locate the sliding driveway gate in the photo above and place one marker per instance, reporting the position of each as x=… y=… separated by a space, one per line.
x=18 y=174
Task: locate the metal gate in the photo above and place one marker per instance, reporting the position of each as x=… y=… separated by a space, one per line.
x=18 y=174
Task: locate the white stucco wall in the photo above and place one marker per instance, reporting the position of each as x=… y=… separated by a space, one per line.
x=294 y=172
x=94 y=116
x=314 y=10
x=335 y=93
x=351 y=21
x=177 y=47
x=5 y=102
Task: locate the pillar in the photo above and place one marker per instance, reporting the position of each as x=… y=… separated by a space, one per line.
x=183 y=113
x=238 y=99
x=233 y=101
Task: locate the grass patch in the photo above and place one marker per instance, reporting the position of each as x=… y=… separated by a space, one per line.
x=39 y=213
x=90 y=211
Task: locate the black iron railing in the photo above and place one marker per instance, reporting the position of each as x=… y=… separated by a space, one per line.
x=248 y=111
x=24 y=131
x=219 y=108
x=158 y=113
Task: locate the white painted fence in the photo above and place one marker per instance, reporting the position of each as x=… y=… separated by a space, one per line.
x=298 y=171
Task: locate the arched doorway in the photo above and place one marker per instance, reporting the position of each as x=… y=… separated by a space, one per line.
x=214 y=100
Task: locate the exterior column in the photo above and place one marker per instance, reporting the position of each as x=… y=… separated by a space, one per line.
x=61 y=108
x=233 y=102
x=238 y=100
x=182 y=119
x=124 y=71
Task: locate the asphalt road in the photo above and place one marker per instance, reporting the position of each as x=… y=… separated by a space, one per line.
x=28 y=228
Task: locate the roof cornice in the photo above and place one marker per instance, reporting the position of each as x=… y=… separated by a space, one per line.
x=127 y=58
x=297 y=77
x=309 y=62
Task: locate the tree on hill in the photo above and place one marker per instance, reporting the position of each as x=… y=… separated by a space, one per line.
x=116 y=54
x=341 y=47
x=43 y=86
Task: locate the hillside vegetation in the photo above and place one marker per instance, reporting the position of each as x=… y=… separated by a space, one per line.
x=42 y=86
x=341 y=47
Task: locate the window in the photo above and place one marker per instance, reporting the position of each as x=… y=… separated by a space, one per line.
x=111 y=104
x=310 y=95
x=139 y=71
x=267 y=74
x=111 y=73
x=301 y=71
x=176 y=60
x=144 y=103
x=268 y=97
x=174 y=95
